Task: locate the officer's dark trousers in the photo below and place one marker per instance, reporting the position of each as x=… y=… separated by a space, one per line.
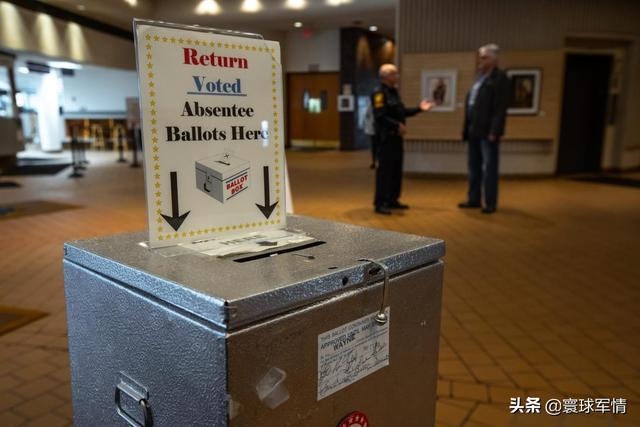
x=374 y=148
x=483 y=171
x=389 y=172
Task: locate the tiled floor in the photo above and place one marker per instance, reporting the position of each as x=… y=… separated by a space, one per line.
x=541 y=299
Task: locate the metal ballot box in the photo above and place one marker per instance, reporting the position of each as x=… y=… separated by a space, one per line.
x=293 y=339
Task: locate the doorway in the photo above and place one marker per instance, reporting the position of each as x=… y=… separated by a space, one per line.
x=313 y=120
x=584 y=109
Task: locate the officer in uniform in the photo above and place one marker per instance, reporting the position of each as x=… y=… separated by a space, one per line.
x=390 y=114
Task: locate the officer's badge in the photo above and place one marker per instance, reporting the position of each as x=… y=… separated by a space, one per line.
x=378 y=100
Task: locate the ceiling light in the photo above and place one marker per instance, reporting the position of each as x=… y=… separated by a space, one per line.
x=296 y=4
x=251 y=6
x=81 y=7
x=338 y=2
x=132 y=3
x=373 y=28
x=208 y=7
x=64 y=64
x=297 y=24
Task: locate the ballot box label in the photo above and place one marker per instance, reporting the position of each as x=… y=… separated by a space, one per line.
x=212 y=131
x=350 y=352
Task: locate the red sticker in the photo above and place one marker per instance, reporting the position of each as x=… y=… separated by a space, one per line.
x=355 y=419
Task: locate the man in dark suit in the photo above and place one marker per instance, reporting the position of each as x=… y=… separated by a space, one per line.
x=484 y=121
x=390 y=117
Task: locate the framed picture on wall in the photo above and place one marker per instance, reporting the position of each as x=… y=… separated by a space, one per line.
x=345 y=103
x=524 y=97
x=439 y=86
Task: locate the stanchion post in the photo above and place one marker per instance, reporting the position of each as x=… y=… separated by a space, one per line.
x=74 y=154
x=121 y=136
x=136 y=146
x=82 y=156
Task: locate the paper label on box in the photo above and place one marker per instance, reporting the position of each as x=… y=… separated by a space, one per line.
x=350 y=352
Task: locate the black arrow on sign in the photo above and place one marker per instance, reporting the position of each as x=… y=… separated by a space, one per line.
x=267 y=209
x=176 y=219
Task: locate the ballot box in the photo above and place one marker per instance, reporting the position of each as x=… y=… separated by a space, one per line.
x=342 y=330
x=223 y=176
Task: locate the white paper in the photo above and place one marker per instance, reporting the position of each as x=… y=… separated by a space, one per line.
x=350 y=352
x=204 y=96
x=249 y=243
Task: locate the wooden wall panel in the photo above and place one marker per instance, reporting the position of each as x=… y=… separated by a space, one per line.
x=448 y=125
x=435 y=125
x=437 y=26
x=457 y=25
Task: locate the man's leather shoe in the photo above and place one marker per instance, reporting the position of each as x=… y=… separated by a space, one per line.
x=488 y=210
x=398 y=205
x=467 y=205
x=383 y=210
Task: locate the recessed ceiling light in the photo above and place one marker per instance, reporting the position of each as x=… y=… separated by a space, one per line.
x=251 y=6
x=132 y=3
x=338 y=2
x=208 y=7
x=296 y=4
x=297 y=24
x=81 y=7
x=373 y=28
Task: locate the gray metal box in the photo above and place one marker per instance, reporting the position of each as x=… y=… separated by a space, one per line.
x=185 y=340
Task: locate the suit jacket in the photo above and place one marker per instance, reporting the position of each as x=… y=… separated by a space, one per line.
x=488 y=114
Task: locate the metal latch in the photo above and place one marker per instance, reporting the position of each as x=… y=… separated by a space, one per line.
x=381 y=317
x=138 y=395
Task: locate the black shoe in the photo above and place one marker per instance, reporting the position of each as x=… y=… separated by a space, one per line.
x=467 y=205
x=383 y=210
x=488 y=210
x=398 y=205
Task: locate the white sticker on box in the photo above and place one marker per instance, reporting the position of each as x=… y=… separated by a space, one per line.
x=350 y=352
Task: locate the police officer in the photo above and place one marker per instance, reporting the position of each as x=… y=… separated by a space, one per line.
x=390 y=114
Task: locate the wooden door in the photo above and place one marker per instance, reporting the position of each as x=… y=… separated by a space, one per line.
x=312 y=114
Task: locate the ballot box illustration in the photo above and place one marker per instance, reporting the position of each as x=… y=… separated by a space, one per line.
x=343 y=328
x=222 y=176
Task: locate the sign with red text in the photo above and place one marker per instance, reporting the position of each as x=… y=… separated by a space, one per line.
x=211 y=110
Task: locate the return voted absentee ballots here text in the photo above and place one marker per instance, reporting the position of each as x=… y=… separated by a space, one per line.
x=211 y=109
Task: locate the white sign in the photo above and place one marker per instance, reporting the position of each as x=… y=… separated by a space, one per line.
x=211 y=108
x=350 y=352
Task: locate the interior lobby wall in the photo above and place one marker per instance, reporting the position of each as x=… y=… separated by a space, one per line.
x=530 y=141
x=315 y=51
x=25 y=30
x=445 y=34
x=83 y=96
